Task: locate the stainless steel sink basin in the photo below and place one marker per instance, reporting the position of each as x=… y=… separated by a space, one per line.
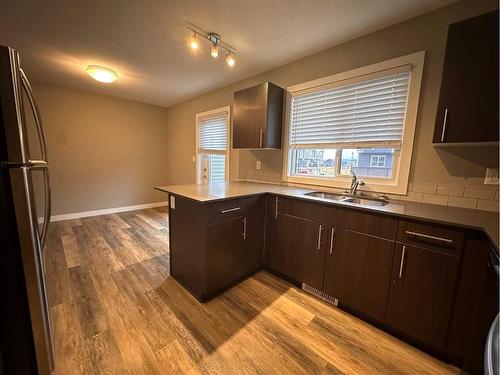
x=366 y=201
x=363 y=201
x=331 y=196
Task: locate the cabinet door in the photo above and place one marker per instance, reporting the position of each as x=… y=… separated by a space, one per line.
x=274 y=254
x=249 y=117
x=303 y=242
x=358 y=271
x=468 y=102
x=422 y=293
x=225 y=239
x=249 y=259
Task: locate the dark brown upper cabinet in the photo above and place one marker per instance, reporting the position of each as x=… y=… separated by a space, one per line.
x=258 y=117
x=468 y=101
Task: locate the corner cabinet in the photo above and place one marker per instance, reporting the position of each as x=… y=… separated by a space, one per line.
x=258 y=117
x=468 y=101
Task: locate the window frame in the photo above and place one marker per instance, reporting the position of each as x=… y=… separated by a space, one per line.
x=226 y=152
x=402 y=156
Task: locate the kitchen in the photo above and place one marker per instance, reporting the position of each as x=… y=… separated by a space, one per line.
x=315 y=196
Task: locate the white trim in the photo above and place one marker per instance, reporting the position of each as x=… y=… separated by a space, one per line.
x=401 y=168
x=228 y=144
x=106 y=211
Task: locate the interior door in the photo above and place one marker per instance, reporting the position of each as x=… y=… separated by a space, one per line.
x=422 y=292
x=358 y=271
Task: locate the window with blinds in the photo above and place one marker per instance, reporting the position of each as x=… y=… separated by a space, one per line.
x=336 y=129
x=360 y=121
x=370 y=112
x=212 y=145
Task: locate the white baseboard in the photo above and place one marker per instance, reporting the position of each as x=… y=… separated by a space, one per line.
x=106 y=211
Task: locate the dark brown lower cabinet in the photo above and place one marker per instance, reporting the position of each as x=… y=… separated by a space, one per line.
x=296 y=249
x=358 y=271
x=249 y=259
x=303 y=240
x=225 y=246
x=422 y=293
x=214 y=245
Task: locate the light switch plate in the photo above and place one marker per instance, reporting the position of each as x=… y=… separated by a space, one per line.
x=258 y=165
x=491 y=176
x=172 y=202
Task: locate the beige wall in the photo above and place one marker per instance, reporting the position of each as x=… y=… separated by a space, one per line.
x=104 y=152
x=429 y=165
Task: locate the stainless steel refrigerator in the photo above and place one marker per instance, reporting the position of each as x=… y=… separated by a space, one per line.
x=25 y=322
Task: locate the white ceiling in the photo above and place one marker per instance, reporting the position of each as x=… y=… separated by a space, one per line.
x=146 y=40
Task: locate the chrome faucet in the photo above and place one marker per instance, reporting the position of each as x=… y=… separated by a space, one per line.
x=355 y=183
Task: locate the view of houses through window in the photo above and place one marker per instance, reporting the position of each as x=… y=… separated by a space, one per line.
x=365 y=162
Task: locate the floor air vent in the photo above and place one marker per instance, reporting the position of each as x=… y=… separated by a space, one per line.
x=318 y=293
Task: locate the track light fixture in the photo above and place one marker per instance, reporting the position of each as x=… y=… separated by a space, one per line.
x=194 y=42
x=230 y=60
x=216 y=41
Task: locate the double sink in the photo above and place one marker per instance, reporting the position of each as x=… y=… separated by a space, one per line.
x=356 y=199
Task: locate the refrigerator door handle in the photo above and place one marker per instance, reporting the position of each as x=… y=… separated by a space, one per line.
x=47 y=207
x=40 y=163
x=36 y=114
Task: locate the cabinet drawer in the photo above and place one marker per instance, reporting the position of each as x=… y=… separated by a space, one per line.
x=229 y=209
x=431 y=236
x=348 y=218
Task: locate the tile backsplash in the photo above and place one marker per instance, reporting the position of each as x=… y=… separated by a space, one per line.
x=486 y=198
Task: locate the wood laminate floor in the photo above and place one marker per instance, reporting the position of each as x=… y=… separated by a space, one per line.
x=115 y=310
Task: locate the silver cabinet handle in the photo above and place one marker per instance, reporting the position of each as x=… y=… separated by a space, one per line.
x=244 y=228
x=445 y=121
x=429 y=237
x=332 y=235
x=320 y=229
x=402 y=263
x=230 y=210
x=276 y=208
x=261 y=136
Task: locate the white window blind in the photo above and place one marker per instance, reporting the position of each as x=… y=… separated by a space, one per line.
x=212 y=158
x=368 y=112
x=213 y=132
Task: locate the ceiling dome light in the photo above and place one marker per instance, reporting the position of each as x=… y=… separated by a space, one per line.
x=194 y=42
x=215 y=50
x=101 y=73
x=230 y=60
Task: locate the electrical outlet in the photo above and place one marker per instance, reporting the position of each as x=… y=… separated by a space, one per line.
x=258 y=165
x=491 y=176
